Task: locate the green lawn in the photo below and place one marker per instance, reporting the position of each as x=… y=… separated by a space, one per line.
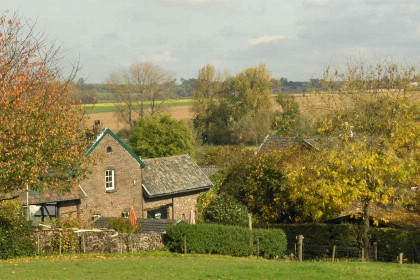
x=110 y=107
x=164 y=265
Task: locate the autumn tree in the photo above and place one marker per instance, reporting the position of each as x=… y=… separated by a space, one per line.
x=142 y=86
x=42 y=139
x=371 y=132
x=226 y=108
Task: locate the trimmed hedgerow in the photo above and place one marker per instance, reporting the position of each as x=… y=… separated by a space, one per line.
x=225 y=240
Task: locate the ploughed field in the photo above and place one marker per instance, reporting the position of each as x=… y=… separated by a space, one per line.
x=310 y=106
x=165 y=265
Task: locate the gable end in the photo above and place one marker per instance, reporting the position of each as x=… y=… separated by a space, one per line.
x=102 y=136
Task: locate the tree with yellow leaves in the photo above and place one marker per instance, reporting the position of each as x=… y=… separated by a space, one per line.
x=371 y=137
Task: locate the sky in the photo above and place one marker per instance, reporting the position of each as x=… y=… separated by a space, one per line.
x=296 y=39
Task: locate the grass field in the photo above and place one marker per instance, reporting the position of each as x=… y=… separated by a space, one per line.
x=111 y=107
x=164 y=265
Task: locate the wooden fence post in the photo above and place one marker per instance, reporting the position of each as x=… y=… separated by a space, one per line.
x=37 y=241
x=333 y=253
x=185 y=244
x=375 y=251
x=300 y=247
x=401 y=258
x=59 y=242
x=250 y=221
x=258 y=248
x=121 y=243
x=363 y=254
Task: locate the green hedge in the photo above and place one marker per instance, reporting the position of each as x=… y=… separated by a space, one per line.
x=225 y=240
x=15 y=231
x=392 y=241
x=320 y=238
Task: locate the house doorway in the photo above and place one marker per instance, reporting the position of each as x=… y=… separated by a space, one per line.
x=160 y=213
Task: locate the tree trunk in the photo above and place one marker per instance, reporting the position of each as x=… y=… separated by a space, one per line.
x=366 y=226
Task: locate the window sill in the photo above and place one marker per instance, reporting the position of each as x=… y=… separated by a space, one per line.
x=110 y=191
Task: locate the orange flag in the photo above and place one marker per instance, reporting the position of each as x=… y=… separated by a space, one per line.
x=132 y=217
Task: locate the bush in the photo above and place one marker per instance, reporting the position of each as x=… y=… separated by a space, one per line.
x=226 y=210
x=122 y=225
x=15 y=231
x=225 y=240
x=393 y=241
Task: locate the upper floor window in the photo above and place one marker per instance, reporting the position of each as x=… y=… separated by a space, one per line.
x=109 y=180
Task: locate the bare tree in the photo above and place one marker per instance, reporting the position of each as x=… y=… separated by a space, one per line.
x=141 y=86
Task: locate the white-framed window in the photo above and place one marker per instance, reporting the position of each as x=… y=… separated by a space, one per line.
x=109 y=180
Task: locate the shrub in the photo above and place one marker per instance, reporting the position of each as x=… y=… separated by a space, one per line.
x=15 y=231
x=225 y=240
x=393 y=241
x=122 y=225
x=226 y=210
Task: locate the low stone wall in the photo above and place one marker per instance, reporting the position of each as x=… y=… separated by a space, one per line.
x=95 y=241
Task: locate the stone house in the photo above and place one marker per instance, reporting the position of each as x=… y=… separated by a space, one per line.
x=162 y=188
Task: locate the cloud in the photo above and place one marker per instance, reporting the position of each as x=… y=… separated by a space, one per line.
x=163 y=57
x=265 y=39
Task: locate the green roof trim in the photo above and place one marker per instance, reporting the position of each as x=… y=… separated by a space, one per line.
x=108 y=131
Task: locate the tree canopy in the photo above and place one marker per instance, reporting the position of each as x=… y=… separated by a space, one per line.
x=233 y=109
x=42 y=136
x=137 y=84
x=161 y=136
x=371 y=137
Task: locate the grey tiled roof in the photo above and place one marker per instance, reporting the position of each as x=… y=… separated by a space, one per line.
x=146 y=225
x=171 y=175
x=49 y=196
x=155 y=225
x=276 y=142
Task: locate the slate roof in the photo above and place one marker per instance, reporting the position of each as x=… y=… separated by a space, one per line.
x=385 y=216
x=277 y=142
x=146 y=225
x=172 y=175
x=49 y=196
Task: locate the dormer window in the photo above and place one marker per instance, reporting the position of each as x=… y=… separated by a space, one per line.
x=109 y=180
x=109 y=150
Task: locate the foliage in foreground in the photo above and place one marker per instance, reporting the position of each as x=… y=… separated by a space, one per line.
x=15 y=231
x=122 y=225
x=225 y=240
x=40 y=129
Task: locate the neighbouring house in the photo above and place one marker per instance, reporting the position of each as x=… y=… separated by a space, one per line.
x=171 y=186
x=380 y=215
x=161 y=188
x=277 y=142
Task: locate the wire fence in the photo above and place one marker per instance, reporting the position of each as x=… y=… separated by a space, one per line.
x=374 y=253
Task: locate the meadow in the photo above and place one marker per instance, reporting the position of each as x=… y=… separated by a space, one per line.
x=112 y=107
x=165 y=265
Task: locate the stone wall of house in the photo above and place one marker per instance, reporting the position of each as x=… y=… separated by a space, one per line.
x=68 y=209
x=182 y=205
x=128 y=183
x=155 y=203
x=108 y=241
